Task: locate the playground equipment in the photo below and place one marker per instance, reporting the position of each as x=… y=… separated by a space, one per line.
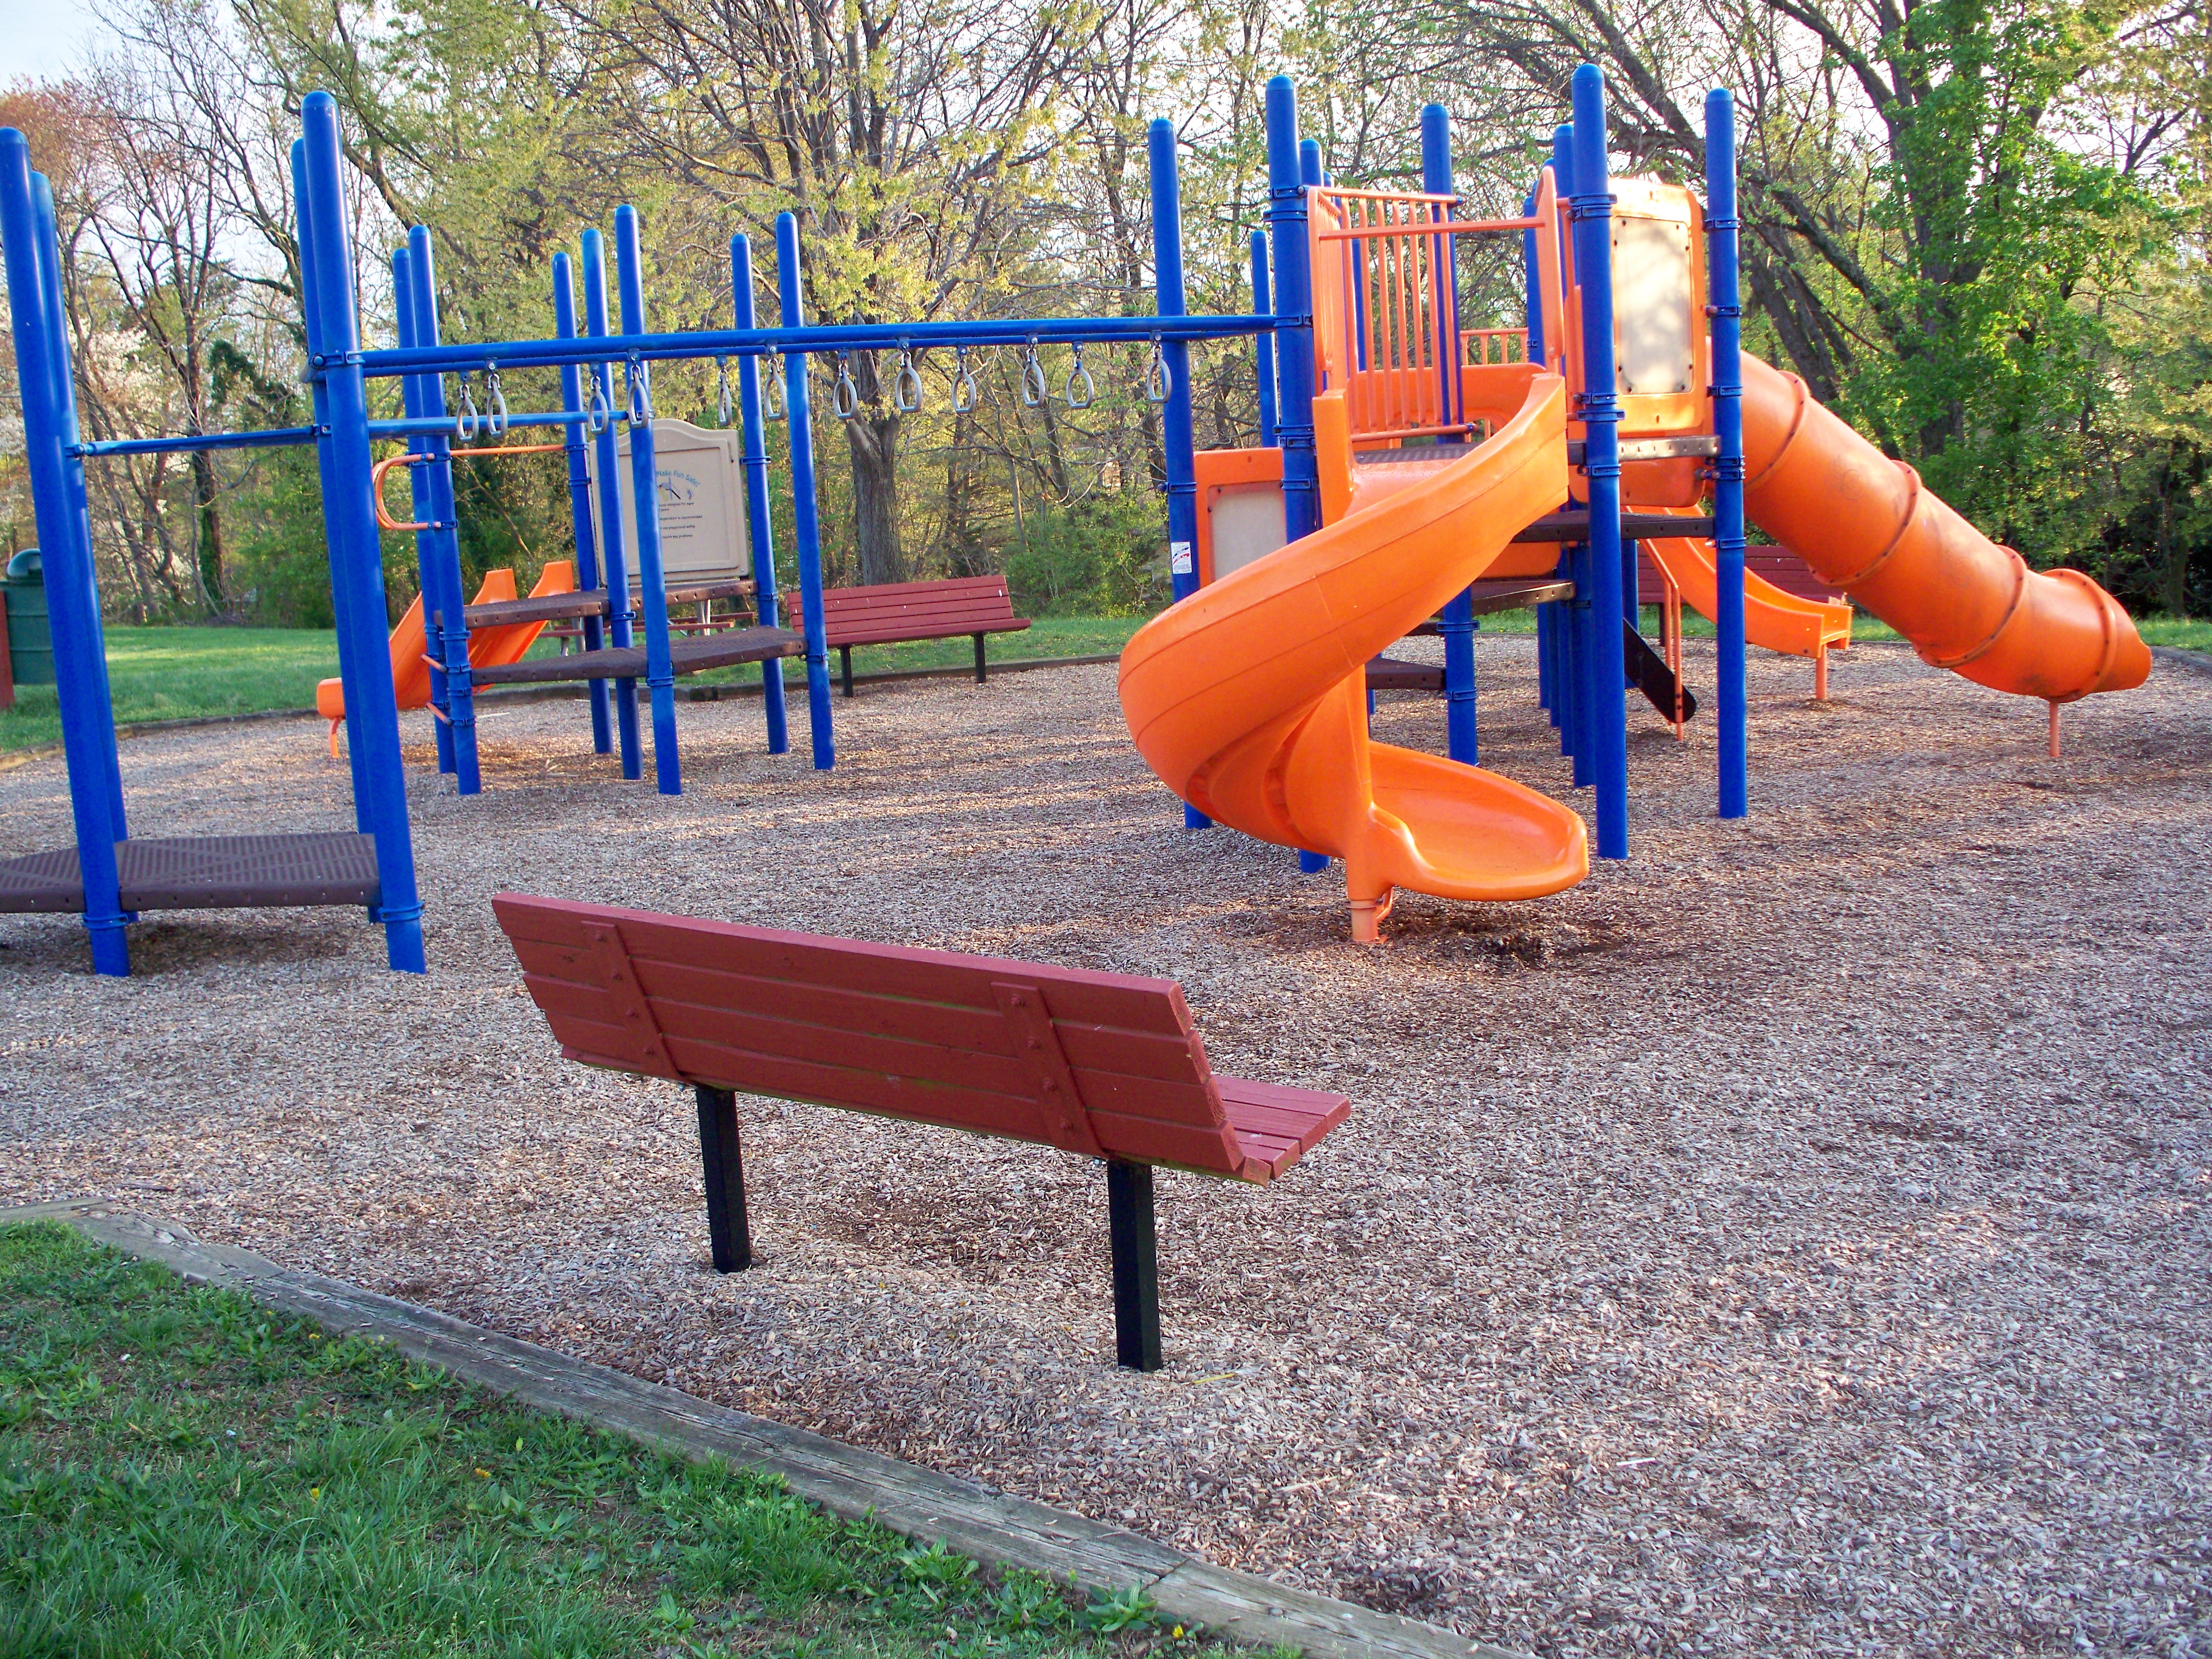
x=1424 y=470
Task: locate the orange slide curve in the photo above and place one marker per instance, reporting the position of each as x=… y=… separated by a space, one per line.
x=489 y=647
x=1249 y=697
x=1772 y=620
x=1866 y=523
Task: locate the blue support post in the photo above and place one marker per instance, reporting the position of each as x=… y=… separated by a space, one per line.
x=452 y=688
x=318 y=400
x=418 y=494
x=1727 y=305
x=1294 y=349
x=1456 y=624
x=1547 y=649
x=356 y=557
x=759 y=529
x=1607 y=726
x=88 y=719
x=619 y=615
x=1263 y=345
x=645 y=489
x=580 y=497
x=1179 y=447
x=1573 y=627
x=806 y=526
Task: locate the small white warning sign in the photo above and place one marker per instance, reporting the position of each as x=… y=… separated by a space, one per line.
x=1179 y=558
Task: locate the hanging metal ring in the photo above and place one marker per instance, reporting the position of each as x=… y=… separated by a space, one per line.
x=722 y=403
x=845 y=395
x=1082 y=390
x=965 y=392
x=640 y=392
x=1159 y=379
x=1034 y=389
x=599 y=415
x=495 y=394
x=906 y=386
x=465 y=422
x=772 y=388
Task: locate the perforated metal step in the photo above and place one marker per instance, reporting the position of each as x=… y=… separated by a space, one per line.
x=205 y=873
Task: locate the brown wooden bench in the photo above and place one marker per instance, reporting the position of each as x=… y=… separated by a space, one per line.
x=898 y=611
x=1103 y=1065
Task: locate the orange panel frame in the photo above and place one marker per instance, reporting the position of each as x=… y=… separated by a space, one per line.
x=1215 y=470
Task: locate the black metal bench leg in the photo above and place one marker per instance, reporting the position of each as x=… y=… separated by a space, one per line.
x=845 y=658
x=727 y=1228
x=1136 y=1265
x=978 y=659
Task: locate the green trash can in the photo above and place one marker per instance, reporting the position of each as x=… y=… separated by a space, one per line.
x=30 y=639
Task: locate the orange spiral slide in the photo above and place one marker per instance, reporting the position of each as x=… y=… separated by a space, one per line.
x=1866 y=523
x=1249 y=698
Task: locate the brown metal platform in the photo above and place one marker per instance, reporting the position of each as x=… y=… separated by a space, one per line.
x=1396 y=674
x=205 y=873
x=686 y=656
x=568 y=607
x=1495 y=594
x=1634 y=527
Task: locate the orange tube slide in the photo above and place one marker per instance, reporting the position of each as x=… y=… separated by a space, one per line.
x=1866 y=523
x=1249 y=698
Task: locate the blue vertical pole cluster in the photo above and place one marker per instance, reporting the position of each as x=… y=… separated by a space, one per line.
x=1263 y=345
x=1606 y=674
x=580 y=497
x=1727 y=303
x=805 y=523
x=605 y=460
x=86 y=715
x=1456 y=625
x=759 y=531
x=452 y=689
x=356 y=558
x=1294 y=355
x=1547 y=615
x=418 y=494
x=645 y=487
x=1571 y=671
x=1178 y=446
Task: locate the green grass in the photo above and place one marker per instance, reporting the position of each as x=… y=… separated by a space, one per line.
x=186 y=1473
x=175 y=673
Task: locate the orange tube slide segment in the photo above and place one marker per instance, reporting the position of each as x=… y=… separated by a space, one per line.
x=1866 y=523
x=1772 y=620
x=1249 y=697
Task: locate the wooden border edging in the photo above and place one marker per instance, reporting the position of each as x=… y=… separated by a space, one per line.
x=846 y=1481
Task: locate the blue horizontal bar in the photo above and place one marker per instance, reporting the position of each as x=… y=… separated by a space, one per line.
x=445 y=426
x=274 y=436
x=851 y=337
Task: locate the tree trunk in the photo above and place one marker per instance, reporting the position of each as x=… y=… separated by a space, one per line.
x=210 y=526
x=872 y=437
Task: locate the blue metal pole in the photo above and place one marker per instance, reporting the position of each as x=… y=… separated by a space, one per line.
x=42 y=200
x=1456 y=624
x=1727 y=303
x=1263 y=345
x=580 y=495
x=1548 y=648
x=418 y=494
x=356 y=558
x=1294 y=346
x=760 y=537
x=1311 y=173
x=318 y=399
x=610 y=524
x=806 y=523
x=1179 y=446
x=1574 y=621
x=645 y=487
x=452 y=688
x=1600 y=414
x=39 y=362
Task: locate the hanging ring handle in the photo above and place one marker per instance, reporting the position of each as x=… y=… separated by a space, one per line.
x=466 y=422
x=496 y=395
x=845 y=395
x=1034 y=389
x=906 y=386
x=965 y=392
x=1159 y=379
x=771 y=371
x=599 y=415
x=1082 y=390
x=640 y=392
x=722 y=400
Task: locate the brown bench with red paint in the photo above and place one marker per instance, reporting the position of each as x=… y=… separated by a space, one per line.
x=896 y=612
x=1104 y=1065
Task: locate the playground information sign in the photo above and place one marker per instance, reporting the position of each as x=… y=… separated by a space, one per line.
x=702 y=502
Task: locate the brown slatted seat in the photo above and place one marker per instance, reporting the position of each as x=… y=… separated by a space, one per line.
x=898 y=611
x=1107 y=1066
x=206 y=873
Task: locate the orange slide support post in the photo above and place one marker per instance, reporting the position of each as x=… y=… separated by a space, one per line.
x=1772 y=620
x=489 y=647
x=1867 y=524
x=1249 y=698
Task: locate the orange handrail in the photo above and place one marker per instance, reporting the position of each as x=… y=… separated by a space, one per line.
x=379 y=473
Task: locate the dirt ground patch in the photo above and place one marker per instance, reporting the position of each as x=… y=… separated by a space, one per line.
x=1794 y=1239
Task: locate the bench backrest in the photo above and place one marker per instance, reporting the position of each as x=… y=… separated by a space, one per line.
x=1106 y=1065
x=917 y=610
